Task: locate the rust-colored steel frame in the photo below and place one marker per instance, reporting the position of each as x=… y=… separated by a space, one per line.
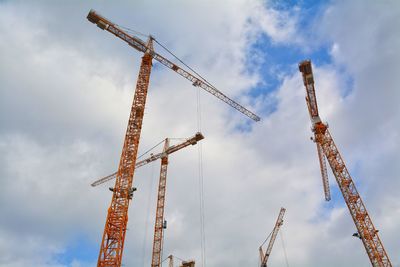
x=265 y=256
x=117 y=218
x=366 y=229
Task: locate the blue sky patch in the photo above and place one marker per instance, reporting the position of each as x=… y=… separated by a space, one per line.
x=80 y=249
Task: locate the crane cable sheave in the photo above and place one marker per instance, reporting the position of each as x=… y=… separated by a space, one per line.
x=141 y=46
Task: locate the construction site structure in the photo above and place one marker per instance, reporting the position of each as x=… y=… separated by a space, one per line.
x=112 y=244
x=265 y=256
x=327 y=149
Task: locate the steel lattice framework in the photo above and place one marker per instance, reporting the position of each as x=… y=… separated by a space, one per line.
x=366 y=229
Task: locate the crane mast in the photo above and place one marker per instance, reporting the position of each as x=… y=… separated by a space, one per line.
x=171 y=261
x=265 y=256
x=369 y=235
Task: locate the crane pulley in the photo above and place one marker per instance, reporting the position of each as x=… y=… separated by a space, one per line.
x=326 y=146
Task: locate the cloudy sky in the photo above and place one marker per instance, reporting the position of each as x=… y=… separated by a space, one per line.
x=65 y=93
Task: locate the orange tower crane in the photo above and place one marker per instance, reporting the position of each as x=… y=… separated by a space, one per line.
x=171 y=149
x=112 y=243
x=159 y=222
x=265 y=256
x=327 y=148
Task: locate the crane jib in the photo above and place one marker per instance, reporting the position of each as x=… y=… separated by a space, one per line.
x=139 y=45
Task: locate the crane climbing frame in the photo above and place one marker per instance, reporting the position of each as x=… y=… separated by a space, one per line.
x=366 y=229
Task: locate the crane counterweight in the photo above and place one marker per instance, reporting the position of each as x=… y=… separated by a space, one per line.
x=326 y=146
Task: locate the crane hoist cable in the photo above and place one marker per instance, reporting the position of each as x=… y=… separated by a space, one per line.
x=201 y=207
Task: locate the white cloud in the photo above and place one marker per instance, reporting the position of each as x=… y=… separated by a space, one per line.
x=66 y=91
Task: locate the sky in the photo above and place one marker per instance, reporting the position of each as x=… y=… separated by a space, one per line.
x=66 y=88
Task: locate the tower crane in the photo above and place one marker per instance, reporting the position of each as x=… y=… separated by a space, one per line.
x=264 y=256
x=327 y=148
x=113 y=239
